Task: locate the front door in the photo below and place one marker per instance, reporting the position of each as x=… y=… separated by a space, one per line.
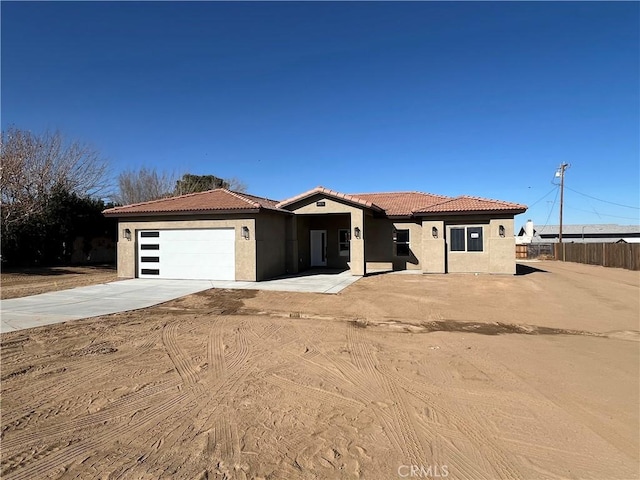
x=318 y=248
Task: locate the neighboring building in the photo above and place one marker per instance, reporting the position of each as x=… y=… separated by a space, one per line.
x=225 y=235
x=596 y=233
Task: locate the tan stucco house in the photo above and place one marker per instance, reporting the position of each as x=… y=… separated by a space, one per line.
x=225 y=235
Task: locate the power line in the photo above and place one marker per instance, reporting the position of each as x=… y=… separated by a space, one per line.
x=546 y=222
x=600 y=200
x=603 y=214
x=543 y=197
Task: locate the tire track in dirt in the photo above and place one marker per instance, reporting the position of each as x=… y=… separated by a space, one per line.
x=238 y=355
x=210 y=401
x=400 y=432
x=215 y=351
x=570 y=409
x=399 y=427
x=188 y=373
x=484 y=445
x=463 y=465
x=444 y=440
x=223 y=441
x=324 y=395
x=330 y=377
x=129 y=458
x=65 y=456
x=329 y=372
x=76 y=378
x=122 y=407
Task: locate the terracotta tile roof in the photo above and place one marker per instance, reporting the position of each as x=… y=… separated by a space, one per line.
x=466 y=203
x=219 y=199
x=331 y=193
x=393 y=204
x=402 y=203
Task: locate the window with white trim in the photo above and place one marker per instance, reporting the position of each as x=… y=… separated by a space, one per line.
x=466 y=239
x=343 y=242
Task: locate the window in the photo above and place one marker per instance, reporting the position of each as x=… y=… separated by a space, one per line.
x=149 y=234
x=474 y=239
x=150 y=271
x=149 y=259
x=150 y=247
x=467 y=239
x=343 y=242
x=457 y=239
x=402 y=243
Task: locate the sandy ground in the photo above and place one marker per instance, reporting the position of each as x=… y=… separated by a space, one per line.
x=469 y=377
x=25 y=282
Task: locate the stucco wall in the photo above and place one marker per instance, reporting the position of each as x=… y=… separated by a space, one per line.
x=379 y=243
x=380 y=248
x=412 y=262
x=502 y=249
x=433 y=248
x=498 y=255
x=271 y=234
x=245 y=250
x=314 y=217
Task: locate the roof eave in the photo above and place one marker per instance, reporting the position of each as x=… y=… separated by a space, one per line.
x=288 y=203
x=400 y=217
x=471 y=212
x=107 y=213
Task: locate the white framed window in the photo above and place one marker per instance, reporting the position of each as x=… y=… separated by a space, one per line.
x=402 y=244
x=467 y=239
x=343 y=242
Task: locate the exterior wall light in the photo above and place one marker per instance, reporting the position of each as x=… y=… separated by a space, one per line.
x=127 y=234
x=501 y=230
x=356 y=232
x=245 y=232
x=434 y=232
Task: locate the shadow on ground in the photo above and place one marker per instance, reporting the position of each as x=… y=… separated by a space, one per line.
x=527 y=269
x=55 y=271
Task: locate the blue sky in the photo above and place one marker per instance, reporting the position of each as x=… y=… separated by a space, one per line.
x=474 y=98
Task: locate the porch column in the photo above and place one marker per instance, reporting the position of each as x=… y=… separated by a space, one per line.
x=357 y=263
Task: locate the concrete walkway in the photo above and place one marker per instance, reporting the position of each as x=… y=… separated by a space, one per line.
x=107 y=298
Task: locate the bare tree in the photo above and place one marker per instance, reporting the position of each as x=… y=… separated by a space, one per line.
x=31 y=165
x=190 y=183
x=236 y=185
x=135 y=186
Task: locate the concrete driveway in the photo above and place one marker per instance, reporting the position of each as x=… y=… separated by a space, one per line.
x=107 y=298
x=92 y=301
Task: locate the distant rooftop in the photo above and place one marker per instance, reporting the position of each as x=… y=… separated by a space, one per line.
x=591 y=229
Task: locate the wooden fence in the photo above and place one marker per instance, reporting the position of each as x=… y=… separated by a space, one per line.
x=619 y=255
x=543 y=251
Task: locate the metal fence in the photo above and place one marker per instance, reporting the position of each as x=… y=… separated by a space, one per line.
x=618 y=255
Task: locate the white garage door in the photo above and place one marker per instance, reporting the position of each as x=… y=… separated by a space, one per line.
x=202 y=254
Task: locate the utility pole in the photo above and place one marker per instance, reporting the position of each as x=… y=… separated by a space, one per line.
x=560 y=173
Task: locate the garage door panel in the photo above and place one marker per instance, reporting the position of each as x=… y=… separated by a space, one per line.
x=204 y=235
x=195 y=248
x=202 y=254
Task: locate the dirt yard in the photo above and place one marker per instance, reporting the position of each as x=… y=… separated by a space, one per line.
x=399 y=376
x=25 y=282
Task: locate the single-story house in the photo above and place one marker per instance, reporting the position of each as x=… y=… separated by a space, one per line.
x=581 y=233
x=226 y=235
